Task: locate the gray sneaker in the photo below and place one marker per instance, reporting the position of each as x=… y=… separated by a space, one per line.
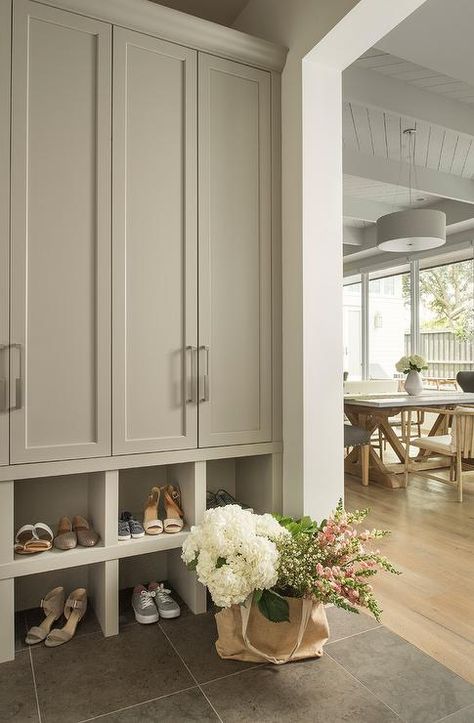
x=136 y=528
x=143 y=604
x=123 y=530
x=167 y=607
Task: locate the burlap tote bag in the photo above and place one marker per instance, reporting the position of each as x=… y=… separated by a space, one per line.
x=245 y=634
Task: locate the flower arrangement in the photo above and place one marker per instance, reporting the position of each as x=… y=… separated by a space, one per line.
x=414 y=362
x=234 y=553
x=238 y=554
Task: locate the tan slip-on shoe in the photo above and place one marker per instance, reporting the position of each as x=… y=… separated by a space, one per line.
x=53 y=605
x=66 y=537
x=74 y=610
x=86 y=536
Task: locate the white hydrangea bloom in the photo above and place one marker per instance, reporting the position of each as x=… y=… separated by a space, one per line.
x=402 y=364
x=235 y=551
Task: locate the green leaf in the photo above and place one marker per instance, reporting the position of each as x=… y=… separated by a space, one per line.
x=193 y=564
x=257 y=595
x=221 y=561
x=274 y=607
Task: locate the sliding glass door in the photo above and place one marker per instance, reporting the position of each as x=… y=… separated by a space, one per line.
x=421 y=308
x=388 y=324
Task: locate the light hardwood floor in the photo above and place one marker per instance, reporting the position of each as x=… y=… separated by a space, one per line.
x=432 y=542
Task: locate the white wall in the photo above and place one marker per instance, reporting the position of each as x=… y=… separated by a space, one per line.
x=312 y=225
x=298 y=24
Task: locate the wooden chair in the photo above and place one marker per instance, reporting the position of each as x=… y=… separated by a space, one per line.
x=458 y=446
x=359 y=437
x=398 y=422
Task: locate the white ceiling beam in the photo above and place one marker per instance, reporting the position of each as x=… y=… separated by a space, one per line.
x=458 y=214
x=363 y=209
x=434 y=183
x=369 y=255
x=369 y=242
x=376 y=90
x=353 y=236
x=377 y=260
x=455 y=233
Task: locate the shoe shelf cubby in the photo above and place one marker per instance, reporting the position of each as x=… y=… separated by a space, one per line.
x=113 y=565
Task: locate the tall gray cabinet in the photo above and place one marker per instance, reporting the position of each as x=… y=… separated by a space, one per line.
x=154 y=244
x=235 y=253
x=60 y=235
x=139 y=285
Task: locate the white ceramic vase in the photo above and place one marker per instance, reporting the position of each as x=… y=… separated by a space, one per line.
x=413 y=383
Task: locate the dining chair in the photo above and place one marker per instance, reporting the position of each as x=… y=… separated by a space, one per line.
x=458 y=446
x=465 y=381
x=359 y=437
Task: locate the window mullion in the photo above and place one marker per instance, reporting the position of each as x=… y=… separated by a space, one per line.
x=415 y=306
x=365 y=324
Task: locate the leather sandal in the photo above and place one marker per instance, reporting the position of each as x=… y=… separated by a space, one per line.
x=151 y=522
x=31 y=539
x=52 y=605
x=174 y=514
x=66 y=537
x=86 y=536
x=74 y=610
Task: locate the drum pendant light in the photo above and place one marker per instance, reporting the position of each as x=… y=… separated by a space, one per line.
x=415 y=229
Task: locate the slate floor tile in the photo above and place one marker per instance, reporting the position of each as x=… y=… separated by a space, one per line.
x=466 y=715
x=315 y=690
x=190 y=705
x=92 y=675
x=343 y=624
x=418 y=688
x=194 y=637
x=17 y=693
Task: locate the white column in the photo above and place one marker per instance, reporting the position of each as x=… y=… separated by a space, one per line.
x=323 y=473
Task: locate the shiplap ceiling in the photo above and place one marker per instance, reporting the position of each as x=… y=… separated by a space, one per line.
x=223 y=12
x=379 y=133
x=384 y=95
x=417 y=75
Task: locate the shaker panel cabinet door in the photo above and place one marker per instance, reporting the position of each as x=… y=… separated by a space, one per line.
x=234 y=253
x=5 y=49
x=60 y=393
x=154 y=245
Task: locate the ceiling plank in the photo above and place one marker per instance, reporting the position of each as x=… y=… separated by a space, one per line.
x=429 y=180
x=373 y=89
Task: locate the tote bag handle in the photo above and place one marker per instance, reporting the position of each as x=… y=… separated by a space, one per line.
x=245 y=609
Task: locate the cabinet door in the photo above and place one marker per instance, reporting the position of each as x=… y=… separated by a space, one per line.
x=154 y=245
x=234 y=253
x=5 y=47
x=61 y=265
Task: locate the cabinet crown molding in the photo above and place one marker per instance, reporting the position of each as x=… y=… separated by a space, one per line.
x=162 y=22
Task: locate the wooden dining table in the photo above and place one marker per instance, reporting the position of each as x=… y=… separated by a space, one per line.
x=377 y=412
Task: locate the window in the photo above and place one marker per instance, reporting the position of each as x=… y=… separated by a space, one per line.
x=352 y=330
x=388 y=324
x=378 y=318
x=447 y=318
x=389 y=286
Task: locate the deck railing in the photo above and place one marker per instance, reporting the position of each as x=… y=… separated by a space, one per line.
x=445 y=353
